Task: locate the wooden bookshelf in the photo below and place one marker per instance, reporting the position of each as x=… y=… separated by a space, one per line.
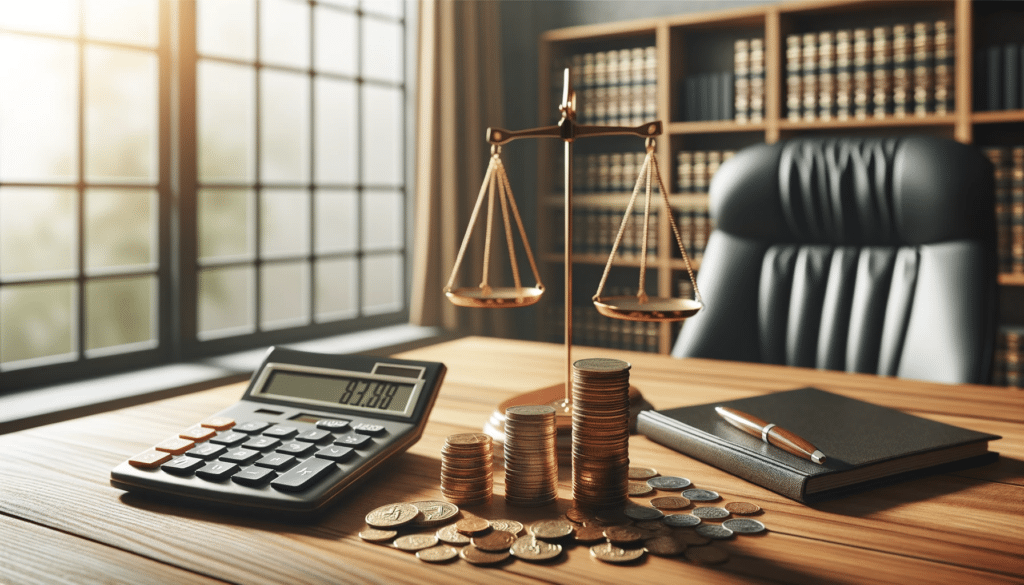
x=691 y=45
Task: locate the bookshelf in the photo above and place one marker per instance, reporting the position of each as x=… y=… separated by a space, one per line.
x=926 y=69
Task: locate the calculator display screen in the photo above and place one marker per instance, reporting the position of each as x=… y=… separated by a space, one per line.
x=362 y=393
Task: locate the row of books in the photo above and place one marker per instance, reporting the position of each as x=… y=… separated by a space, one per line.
x=616 y=87
x=694 y=168
x=998 y=77
x=614 y=172
x=1009 y=185
x=695 y=228
x=591 y=329
x=595 y=229
x=1008 y=359
x=748 y=71
x=898 y=70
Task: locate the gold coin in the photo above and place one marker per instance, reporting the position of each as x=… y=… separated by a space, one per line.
x=494 y=541
x=551 y=529
x=664 y=546
x=706 y=555
x=437 y=554
x=529 y=548
x=670 y=502
x=642 y=473
x=415 y=542
x=481 y=557
x=743 y=508
x=375 y=535
x=610 y=553
x=623 y=535
x=393 y=515
x=435 y=512
x=513 y=526
x=472 y=525
x=639 y=488
x=450 y=535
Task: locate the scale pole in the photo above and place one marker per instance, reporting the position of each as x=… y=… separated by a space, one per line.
x=568 y=270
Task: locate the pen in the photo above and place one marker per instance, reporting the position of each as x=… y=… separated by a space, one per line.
x=771 y=434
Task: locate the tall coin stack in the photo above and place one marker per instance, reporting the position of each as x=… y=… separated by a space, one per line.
x=600 y=433
x=466 y=469
x=531 y=459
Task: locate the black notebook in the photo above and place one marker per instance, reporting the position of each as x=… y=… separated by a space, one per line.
x=865 y=445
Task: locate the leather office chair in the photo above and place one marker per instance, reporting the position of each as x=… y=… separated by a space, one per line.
x=853 y=254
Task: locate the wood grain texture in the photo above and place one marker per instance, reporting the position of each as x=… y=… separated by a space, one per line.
x=949 y=528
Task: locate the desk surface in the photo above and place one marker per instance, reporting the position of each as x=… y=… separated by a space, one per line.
x=61 y=521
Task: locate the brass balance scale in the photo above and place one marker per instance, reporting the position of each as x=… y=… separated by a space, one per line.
x=639 y=307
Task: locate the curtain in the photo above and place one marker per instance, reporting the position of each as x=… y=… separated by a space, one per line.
x=459 y=94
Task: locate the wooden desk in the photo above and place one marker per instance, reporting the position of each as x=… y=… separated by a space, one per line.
x=61 y=521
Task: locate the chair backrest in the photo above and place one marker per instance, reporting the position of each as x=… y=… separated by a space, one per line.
x=853 y=254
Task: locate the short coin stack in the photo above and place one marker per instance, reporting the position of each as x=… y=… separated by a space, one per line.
x=531 y=459
x=600 y=433
x=466 y=469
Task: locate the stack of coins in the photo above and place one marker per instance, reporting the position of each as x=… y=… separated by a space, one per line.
x=466 y=476
x=531 y=459
x=600 y=433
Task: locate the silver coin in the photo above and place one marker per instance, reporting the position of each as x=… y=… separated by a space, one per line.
x=696 y=495
x=643 y=513
x=711 y=513
x=669 y=482
x=681 y=520
x=714 y=531
x=744 y=525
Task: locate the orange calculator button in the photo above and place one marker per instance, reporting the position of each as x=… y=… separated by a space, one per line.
x=220 y=423
x=149 y=459
x=175 y=446
x=197 y=433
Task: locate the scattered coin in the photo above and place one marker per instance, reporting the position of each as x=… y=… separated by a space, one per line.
x=714 y=531
x=744 y=525
x=450 y=534
x=513 y=526
x=623 y=535
x=610 y=553
x=639 y=489
x=710 y=513
x=670 y=502
x=551 y=529
x=655 y=526
x=578 y=516
x=472 y=554
x=529 y=548
x=743 y=508
x=642 y=473
x=435 y=513
x=664 y=546
x=643 y=513
x=375 y=535
x=668 y=482
x=706 y=555
x=415 y=542
x=681 y=520
x=696 y=495
x=472 y=525
x=589 y=533
x=494 y=541
x=437 y=554
x=393 y=515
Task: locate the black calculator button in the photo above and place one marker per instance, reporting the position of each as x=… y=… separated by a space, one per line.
x=313 y=435
x=369 y=429
x=261 y=443
x=182 y=465
x=335 y=453
x=240 y=456
x=297 y=448
x=217 y=471
x=281 y=432
x=230 y=438
x=207 y=451
x=278 y=461
x=332 y=424
x=355 y=441
x=253 y=426
x=304 y=475
x=253 y=476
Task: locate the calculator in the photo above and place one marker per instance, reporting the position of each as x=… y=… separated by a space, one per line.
x=309 y=426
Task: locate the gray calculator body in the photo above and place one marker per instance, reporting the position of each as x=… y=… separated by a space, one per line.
x=308 y=427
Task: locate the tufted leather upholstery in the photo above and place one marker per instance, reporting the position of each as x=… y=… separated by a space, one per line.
x=862 y=255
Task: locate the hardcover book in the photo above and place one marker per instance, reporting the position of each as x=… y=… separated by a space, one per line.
x=865 y=445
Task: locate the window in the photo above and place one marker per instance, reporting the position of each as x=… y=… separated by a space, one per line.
x=180 y=178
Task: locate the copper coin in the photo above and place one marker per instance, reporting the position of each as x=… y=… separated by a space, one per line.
x=670 y=502
x=530 y=548
x=469 y=439
x=664 y=546
x=623 y=535
x=551 y=529
x=494 y=541
x=451 y=535
x=706 y=555
x=374 y=535
x=437 y=554
x=393 y=515
x=578 y=516
x=589 y=534
x=610 y=553
x=639 y=488
x=642 y=473
x=415 y=542
x=472 y=554
x=472 y=525
x=743 y=508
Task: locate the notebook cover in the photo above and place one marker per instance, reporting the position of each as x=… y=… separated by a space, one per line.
x=853 y=435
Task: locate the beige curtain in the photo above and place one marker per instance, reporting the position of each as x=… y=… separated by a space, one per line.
x=459 y=94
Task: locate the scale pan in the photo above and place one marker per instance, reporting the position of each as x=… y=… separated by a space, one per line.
x=629 y=308
x=498 y=297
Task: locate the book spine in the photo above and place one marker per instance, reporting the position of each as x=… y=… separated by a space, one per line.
x=999 y=157
x=665 y=431
x=794 y=77
x=1011 y=76
x=862 y=77
x=1017 y=210
x=924 y=69
x=943 y=69
x=844 y=74
x=826 y=75
x=993 y=85
x=902 y=70
x=756 y=80
x=809 y=81
x=882 y=71
x=741 y=71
